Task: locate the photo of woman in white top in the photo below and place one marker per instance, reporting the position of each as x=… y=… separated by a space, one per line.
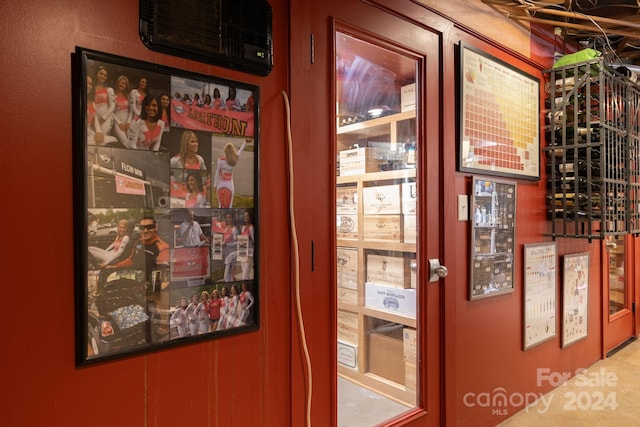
x=188 y=157
x=223 y=180
x=112 y=252
x=146 y=132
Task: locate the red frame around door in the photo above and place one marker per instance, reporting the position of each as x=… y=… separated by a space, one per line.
x=619 y=327
x=313 y=133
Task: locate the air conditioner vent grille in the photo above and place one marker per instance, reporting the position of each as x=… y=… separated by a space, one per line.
x=232 y=33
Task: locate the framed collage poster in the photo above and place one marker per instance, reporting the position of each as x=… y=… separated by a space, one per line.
x=540 y=308
x=493 y=237
x=166 y=206
x=575 y=294
x=499 y=117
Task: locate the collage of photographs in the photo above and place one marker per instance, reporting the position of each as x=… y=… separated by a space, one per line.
x=170 y=207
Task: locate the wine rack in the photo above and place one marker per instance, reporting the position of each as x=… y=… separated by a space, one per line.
x=592 y=153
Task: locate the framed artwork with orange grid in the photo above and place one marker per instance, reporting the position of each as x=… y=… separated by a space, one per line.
x=499 y=113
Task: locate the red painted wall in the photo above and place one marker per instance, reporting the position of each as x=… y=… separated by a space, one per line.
x=241 y=380
x=484 y=337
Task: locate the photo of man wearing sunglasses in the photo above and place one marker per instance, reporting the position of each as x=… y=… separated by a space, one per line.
x=148 y=251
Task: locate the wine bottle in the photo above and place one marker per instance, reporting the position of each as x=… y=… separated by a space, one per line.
x=567 y=83
x=570 y=114
x=629 y=74
x=567 y=215
x=570 y=200
x=411 y=154
x=573 y=152
x=555 y=134
x=593 y=100
x=572 y=134
x=571 y=117
x=579 y=166
x=568 y=184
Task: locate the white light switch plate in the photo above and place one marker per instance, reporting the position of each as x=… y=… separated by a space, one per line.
x=463 y=207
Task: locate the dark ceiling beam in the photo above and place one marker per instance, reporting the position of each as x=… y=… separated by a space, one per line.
x=576 y=26
x=585 y=17
x=592 y=28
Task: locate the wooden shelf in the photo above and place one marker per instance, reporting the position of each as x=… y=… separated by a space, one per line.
x=389 y=317
x=376 y=126
x=377 y=176
x=379 y=314
x=381 y=246
x=378 y=384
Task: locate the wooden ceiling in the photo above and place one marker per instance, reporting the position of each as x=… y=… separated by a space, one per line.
x=610 y=26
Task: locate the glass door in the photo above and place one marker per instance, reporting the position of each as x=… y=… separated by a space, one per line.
x=619 y=320
x=617 y=286
x=377 y=210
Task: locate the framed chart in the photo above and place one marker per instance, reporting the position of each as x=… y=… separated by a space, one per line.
x=540 y=308
x=499 y=117
x=493 y=234
x=575 y=291
x=166 y=206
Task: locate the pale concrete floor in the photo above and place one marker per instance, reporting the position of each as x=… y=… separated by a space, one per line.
x=360 y=407
x=607 y=395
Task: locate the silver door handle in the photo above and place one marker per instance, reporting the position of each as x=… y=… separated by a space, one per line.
x=437 y=271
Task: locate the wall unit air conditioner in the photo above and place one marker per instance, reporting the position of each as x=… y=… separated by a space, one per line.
x=234 y=34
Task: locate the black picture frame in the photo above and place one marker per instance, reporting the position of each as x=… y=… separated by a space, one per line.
x=499 y=117
x=493 y=237
x=154 y=225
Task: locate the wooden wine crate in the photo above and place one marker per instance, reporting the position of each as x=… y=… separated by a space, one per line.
x=408 y=97
x=362 y=160
x=413 y=273
x=348 y=319
x=387 y=270
x=348 y=327
x=348 y=335
x=410 y=376
x=385 y=353
x=347 y=259
x=348 y=354
x=410 y=228
x=347 y=226
x=410 y=345
x=409 y=193
x=382 y=228
x=347 y=296
x=381 y=200
x=347 y=199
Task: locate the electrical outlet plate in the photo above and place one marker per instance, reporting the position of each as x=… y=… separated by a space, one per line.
x=463 y=207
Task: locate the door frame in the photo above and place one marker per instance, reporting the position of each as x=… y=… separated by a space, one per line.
x=430 y=213
x=311 y=76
